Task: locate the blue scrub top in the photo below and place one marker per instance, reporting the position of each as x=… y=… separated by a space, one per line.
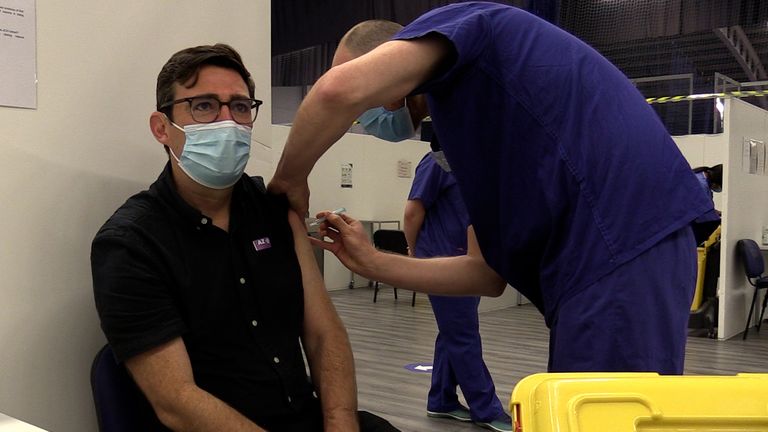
x=565 y=170
x=444 y=230
x=702 y=178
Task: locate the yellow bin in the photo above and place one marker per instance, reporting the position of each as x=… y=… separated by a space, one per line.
x=647 y=402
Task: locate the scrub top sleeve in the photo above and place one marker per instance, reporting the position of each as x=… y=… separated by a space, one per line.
x=429 y=182
x=465 y=25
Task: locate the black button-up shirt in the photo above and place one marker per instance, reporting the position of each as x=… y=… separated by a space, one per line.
x=162 y=270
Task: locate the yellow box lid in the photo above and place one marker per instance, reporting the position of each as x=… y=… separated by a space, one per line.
x=646 y=402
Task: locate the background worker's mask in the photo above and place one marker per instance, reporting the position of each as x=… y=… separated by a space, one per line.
x=215 y=154
x=388 y=125
x=440 y=159
x=437 y=153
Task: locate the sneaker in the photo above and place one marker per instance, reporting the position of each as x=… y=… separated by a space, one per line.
x=461 y=414
x=498 y=425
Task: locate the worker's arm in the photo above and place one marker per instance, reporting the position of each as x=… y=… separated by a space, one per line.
x=387 y=73
x=325 y=341
x=413 y=218
x=164 y=375
x=460 y=275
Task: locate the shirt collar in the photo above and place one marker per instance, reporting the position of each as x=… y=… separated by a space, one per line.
x=165 y=189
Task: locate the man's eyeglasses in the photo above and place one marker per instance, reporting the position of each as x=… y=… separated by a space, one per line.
x=206 y=109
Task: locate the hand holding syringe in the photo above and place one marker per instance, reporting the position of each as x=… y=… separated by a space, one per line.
x=317 y=222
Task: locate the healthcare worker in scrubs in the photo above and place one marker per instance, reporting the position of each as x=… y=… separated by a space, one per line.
x=435 y=224
x=577 y=195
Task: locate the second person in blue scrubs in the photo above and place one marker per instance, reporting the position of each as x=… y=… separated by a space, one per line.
x=435 y=224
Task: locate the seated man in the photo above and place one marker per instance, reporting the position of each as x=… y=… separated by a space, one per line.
x=207 y=288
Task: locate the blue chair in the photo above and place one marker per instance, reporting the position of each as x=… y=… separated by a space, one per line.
x=120 y=404
x=753 y=266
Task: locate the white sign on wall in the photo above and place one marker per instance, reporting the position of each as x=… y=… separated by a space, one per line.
x=18 y=67
x=346 y=175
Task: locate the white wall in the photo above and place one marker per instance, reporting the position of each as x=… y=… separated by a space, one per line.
x=67 y=166
x=745 y=210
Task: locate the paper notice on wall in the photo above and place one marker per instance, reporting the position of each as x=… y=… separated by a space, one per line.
x=753 y=156
x=404 y=168
x=346 y=175
x=18 y=65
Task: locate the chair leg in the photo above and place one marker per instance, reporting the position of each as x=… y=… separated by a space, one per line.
x=395 y=292
x=762 y=312
x=413 y=300
x=749 y=318
x=375 y=290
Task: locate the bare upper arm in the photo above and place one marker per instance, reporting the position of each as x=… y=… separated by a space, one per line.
x=389 y=72
x=319 y=313
x=497 y=284
x=414 y=209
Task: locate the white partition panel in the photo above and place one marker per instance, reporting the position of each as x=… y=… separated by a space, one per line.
x=67 y=166
x=745 y=212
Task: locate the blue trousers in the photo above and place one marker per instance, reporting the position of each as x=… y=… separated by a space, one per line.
x=634 y=319
x=459 y=361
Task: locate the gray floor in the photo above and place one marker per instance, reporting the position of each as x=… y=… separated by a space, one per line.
x=390 y=334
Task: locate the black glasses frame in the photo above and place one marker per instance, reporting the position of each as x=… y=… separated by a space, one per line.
x=255 y=103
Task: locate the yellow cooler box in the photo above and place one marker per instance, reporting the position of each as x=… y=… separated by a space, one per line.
x=646 y=402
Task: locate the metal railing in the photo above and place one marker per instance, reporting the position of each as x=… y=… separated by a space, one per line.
x=655 y=79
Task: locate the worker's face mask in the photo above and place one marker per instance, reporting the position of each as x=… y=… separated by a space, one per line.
x=215 y=154
x=437 y=153
x=388 y=125
x=440 y=159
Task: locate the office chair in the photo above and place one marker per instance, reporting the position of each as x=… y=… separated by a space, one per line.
x=752 y=258
x=390 y=241
x=120 y=405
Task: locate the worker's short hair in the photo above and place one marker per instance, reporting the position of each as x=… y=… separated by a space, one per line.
x=367 y=35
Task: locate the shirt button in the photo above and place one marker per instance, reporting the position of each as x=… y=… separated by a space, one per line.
x=242 y=281
x=276 y=360
x=314 y=395
x=204 y=221
x=289 y=399
x=254 y=323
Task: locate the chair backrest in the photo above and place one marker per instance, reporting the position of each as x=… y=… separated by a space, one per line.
x=751 y=256
x=391 y=240
x=120 y=405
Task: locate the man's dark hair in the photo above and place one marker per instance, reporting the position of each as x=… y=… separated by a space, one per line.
x=184 y=68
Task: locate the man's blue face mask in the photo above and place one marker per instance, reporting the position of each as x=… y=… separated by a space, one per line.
x=214 y=154
x=391 y=126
